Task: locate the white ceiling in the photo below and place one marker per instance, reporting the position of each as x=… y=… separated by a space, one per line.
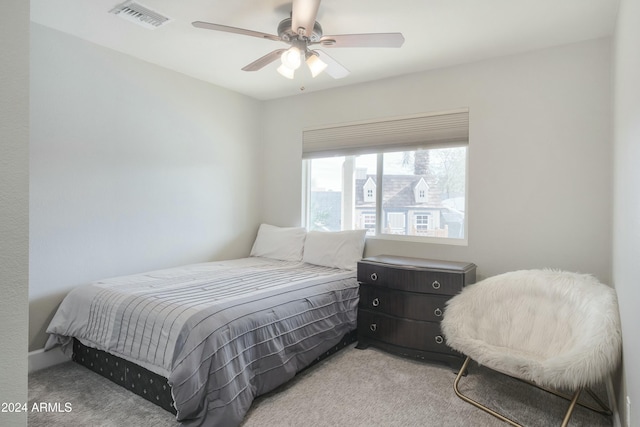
x=437 y=33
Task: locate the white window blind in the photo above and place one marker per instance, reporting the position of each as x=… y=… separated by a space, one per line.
x=442 y=129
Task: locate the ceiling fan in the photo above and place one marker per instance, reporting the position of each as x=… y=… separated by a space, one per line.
x=303 y=33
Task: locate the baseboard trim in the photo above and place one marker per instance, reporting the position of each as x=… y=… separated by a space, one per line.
x=40 y=359
x=611 y=395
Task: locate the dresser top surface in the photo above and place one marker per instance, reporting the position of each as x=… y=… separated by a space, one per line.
x=420 y=263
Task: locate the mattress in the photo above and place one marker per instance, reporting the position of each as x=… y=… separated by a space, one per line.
x=222 y=332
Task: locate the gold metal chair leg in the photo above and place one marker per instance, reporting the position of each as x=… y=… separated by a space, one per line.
x=572 y=406
x=573 y=399
x=473 y=402
x=605 y=409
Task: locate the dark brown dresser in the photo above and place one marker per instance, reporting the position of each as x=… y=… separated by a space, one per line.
x=402 y=301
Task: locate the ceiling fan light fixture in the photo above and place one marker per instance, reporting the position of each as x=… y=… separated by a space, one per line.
x=286 y=71
x=302 y=33
x=291 y=58
x=316 y=65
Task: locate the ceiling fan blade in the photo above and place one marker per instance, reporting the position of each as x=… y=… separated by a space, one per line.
x=227 y=29
x=303 y=16
x=265 y=60
x=363 y=40
x=334 y=68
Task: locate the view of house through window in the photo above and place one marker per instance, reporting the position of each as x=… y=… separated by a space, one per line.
x=413 y=193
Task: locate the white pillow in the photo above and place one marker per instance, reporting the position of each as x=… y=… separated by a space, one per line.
x=285 y=243
x=337 y=249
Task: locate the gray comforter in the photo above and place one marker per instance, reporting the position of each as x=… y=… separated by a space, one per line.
x=221 y=332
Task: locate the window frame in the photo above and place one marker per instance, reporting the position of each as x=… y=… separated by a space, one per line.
x=379 y=234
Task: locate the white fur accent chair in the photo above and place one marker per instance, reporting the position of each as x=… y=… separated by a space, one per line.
x=555 y=329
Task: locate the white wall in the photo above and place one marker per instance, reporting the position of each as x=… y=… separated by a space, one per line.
x=133 y=167
x=14 y=205
x=539 y=154
x=626 y=232
x=107 y=191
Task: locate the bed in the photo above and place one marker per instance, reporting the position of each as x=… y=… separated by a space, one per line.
x=222 y=333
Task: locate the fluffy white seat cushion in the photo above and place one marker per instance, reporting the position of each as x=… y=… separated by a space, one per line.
x=557 y=329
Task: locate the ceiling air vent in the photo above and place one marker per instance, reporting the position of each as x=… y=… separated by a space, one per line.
x=138 y=14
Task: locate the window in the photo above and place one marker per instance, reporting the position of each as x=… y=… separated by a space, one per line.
x=423 y=193
x=422 y=223
x=368 y=223
x=401 y=183
x=336 y=186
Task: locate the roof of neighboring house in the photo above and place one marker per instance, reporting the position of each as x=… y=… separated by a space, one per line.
x=398 y=192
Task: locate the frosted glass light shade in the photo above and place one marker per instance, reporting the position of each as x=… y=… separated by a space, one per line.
x=316 y=65
x=291 y=58
x=286 y=71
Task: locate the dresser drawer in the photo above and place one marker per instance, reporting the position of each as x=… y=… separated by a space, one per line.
x=411 y=280
x=425 y=336
x=402 y=301
x=410 y=305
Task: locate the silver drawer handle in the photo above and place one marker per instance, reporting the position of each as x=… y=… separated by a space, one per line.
x=439 y=339
x=374 y=276
x=437 y=312
x=373 y=327
x=435 y=284
x=375 y=302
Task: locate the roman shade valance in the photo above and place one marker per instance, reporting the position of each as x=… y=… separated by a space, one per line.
x=441 y=129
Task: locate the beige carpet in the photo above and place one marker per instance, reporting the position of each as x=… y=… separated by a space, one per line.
x=352 y=388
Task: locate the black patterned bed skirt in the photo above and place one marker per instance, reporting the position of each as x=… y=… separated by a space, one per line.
x=149 y=385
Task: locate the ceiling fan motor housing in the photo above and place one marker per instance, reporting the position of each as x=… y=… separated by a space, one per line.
x=287 y=34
